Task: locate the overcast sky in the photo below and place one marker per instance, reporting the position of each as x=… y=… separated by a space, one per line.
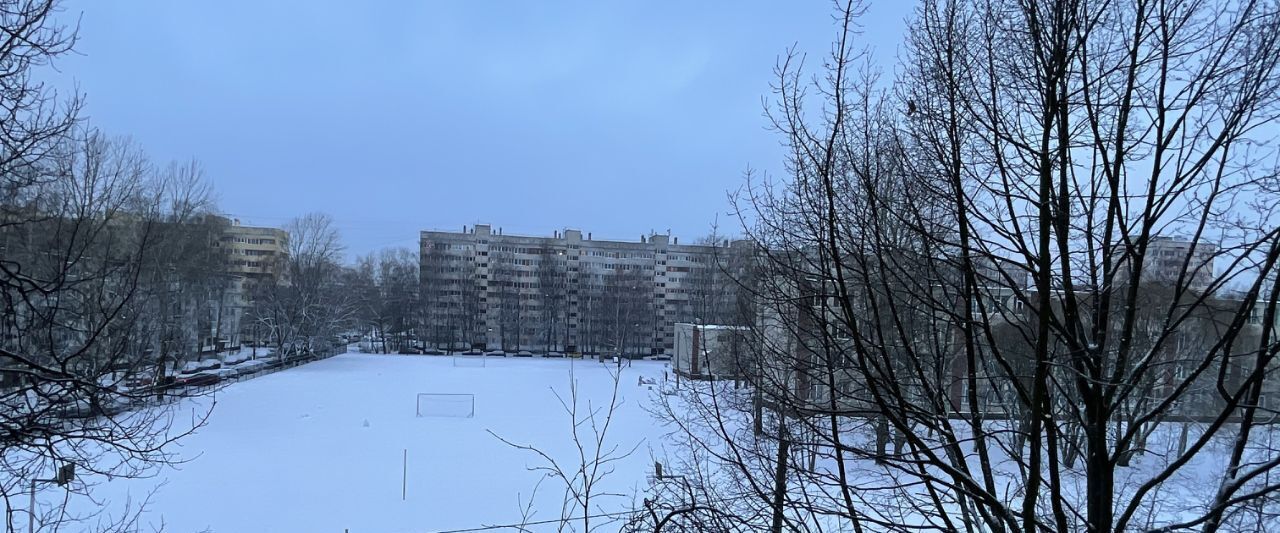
x=613 y=117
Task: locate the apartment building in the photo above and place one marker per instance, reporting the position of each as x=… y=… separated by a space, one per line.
x=569 y=292
x=1164 y=259
x=255 y=252
x=255 y=256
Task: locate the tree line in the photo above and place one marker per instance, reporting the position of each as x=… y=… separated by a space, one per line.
x=113 y=272
x=1028 y=283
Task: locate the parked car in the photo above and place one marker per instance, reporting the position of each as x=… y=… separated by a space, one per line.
x=251 y=366
x=198 y=379
x=226 y=372
x=554 y=354
x=496 y=353
x=235 y=358
x=431 y=351
x=472 y=352
x=108 y=406
x=524 y=353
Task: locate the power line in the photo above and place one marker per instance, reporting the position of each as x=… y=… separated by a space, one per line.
x=538 y=523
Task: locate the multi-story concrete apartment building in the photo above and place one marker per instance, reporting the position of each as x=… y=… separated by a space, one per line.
x=1164 y=259
x=255 y=252
x=255 y=256
x=568 y=292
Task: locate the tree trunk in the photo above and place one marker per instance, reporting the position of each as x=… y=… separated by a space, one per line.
x=780 y=478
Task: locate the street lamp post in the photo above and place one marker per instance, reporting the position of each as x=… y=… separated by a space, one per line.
x=66 y=473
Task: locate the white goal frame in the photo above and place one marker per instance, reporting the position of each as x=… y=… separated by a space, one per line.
x=456 y=399
x=481 y=358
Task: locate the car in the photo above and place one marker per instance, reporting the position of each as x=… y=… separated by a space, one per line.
x=659 y=357
x=472 y=352
x=235 y=358
x=524 y=353
x=251 y=366
x=102 y=406
x=432 y=351
x=496 y=353
x=225 y=372
x=554 y=354
x=198 y=379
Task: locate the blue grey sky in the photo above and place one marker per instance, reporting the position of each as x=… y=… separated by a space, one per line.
x=614 y=117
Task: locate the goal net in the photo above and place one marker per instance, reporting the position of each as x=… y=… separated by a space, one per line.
x=446 y=405
x=469 y=360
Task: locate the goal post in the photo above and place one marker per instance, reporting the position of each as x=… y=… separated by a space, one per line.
x=448 y=405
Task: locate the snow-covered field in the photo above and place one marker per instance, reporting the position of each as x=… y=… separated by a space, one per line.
x=320 y=447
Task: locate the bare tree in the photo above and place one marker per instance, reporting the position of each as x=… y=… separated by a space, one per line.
x=386 y=287
x=626 y=311
x=82 y=247
x=1054 y=236
x=553 y=298
x=442 y=310
x=508 y=286
x=309 y=304
x=585 y=506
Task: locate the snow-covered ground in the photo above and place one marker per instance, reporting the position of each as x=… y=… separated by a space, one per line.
x=320 y=447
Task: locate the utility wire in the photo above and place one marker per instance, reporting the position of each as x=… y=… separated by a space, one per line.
x=538 y=523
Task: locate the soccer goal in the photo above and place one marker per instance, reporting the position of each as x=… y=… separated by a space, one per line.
x=446 y=405
x=469 y=360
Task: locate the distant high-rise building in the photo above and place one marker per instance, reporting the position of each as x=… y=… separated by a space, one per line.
x=1165 y=258
x=485 y=290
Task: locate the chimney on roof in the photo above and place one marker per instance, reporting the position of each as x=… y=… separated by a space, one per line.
x=464 y=228
x=675 y=240
x=588 y=235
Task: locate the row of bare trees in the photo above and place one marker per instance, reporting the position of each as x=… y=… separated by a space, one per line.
x=113 y=271
x=314 y=295
x=384 y=286
x=1027 y=285
x=108 y=269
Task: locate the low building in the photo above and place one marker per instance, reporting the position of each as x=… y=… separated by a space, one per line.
x=705 y=351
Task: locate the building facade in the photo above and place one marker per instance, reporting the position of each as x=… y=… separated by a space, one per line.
x=255 y=257
x=1164 y=259
x=707 y=351
x=483 y=289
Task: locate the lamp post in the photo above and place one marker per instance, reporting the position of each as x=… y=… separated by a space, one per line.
x=66 y=473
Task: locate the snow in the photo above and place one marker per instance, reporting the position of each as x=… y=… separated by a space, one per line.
x=320 y=447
